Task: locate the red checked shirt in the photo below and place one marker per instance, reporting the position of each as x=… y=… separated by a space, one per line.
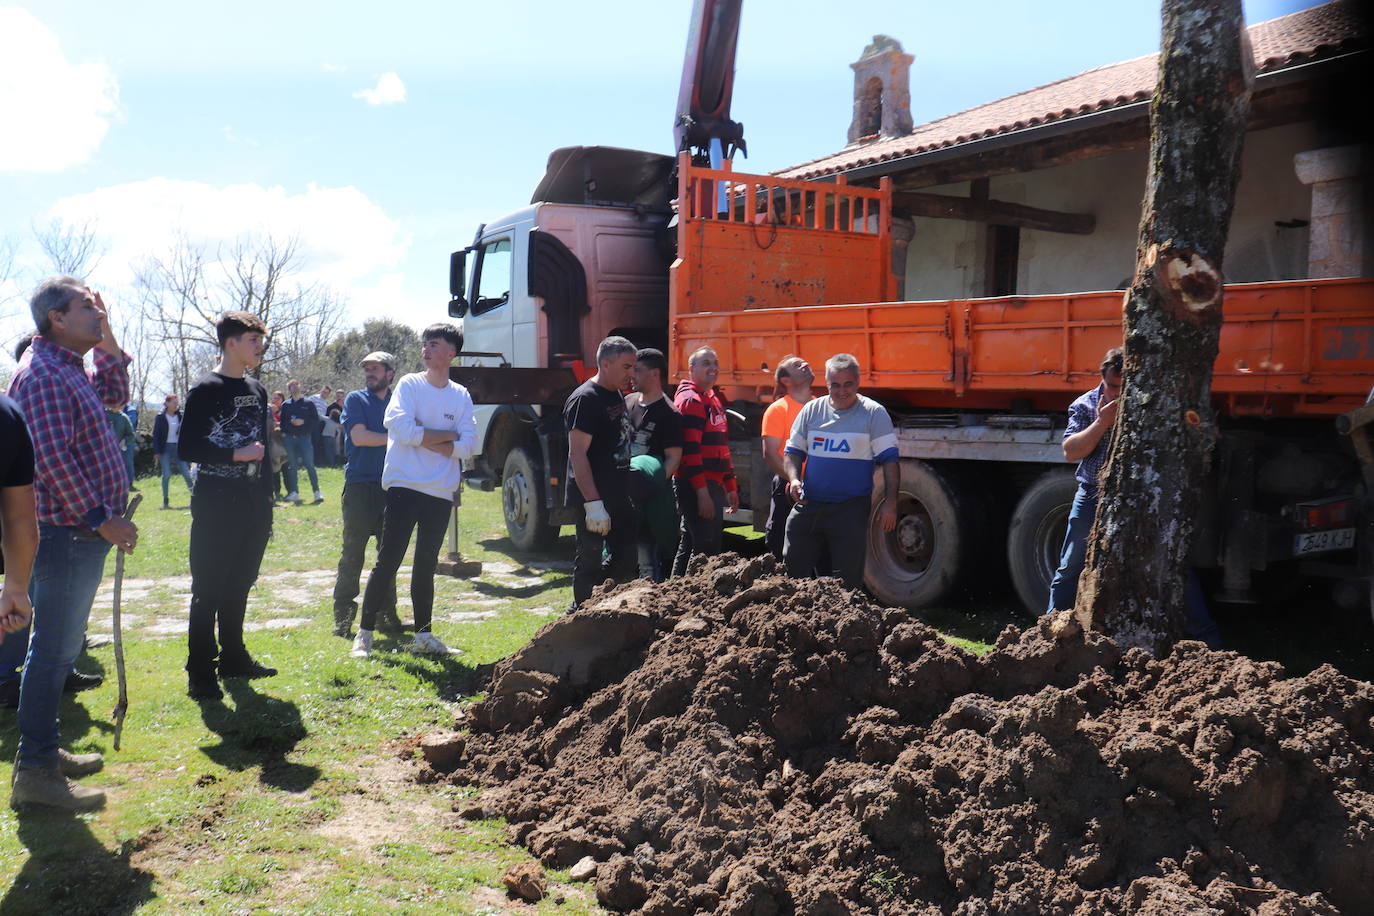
x=79 y=473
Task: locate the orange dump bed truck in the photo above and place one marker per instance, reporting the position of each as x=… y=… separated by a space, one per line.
x=979 y=389
x=759 y=268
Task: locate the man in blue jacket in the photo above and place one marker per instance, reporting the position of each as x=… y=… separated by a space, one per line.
x=364 y=500
x=166 y=435
x=298 y=421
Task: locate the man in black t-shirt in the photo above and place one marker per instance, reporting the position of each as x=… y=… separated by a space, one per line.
x=226 y=427
x=598 y=471
x=18 y=520
x=655 y=453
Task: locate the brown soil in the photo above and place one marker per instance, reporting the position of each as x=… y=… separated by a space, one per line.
x=748 y=744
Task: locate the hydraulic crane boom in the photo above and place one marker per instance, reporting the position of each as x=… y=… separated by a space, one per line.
x=708 y=83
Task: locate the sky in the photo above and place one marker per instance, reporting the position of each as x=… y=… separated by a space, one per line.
x=380 y=135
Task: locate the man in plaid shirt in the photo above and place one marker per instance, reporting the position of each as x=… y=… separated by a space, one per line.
x=81 y=487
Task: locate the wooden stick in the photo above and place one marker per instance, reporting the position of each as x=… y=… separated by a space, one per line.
x=122 y=705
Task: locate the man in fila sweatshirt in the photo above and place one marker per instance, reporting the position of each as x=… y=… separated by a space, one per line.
x=705 y=480
x=430 y=428
x=836 y=442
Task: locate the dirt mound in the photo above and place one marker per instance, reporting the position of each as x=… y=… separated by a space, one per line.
x=737 y=742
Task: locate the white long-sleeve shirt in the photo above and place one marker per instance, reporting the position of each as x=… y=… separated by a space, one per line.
x=416 y=406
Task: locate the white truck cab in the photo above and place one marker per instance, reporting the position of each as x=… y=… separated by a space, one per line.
x=538 y=289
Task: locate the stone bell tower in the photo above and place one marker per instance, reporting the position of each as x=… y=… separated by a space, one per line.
x=882 y=91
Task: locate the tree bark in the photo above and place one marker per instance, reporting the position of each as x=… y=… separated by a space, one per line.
x=1134 y=582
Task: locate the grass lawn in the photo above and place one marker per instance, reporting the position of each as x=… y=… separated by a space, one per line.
x=294 y=794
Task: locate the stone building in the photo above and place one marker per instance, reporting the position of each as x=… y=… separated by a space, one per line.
x=1040 y=192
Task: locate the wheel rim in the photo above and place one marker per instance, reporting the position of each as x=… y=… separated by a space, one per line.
x=1049 y=541
x=515 y=501
x=904 y=553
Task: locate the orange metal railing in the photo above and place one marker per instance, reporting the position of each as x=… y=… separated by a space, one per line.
x=777 y=243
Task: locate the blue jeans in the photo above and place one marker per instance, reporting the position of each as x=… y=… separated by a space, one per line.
x=66 y=575
x=1197 y=621
x=171 y=462
x=1064 y=585
x=300 y=451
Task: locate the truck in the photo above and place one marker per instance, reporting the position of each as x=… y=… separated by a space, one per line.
x=680 y=252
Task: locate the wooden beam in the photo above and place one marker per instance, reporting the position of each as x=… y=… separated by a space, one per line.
x=942 y=206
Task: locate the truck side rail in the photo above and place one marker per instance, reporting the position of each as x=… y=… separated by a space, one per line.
x=1288 y=348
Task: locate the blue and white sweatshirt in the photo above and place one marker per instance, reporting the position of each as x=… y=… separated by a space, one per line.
x=841 y=447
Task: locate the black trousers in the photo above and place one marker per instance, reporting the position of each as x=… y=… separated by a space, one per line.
x=230 y=525
x=364 y=512
x=613 y=556
x=406 y=511
x=698 y=536
x=778 y=509
x=842 y=528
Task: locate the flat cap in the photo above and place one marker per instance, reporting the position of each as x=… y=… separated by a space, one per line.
x=379 y=356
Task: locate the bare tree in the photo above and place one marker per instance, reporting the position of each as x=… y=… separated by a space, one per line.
x=1134 y=582
x=185 y=291
x=72 y=248
x=173 y=302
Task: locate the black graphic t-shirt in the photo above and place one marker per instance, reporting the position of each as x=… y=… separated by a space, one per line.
x=656 y=428
x=16 y=450
x=601 y=413
x=222 y=414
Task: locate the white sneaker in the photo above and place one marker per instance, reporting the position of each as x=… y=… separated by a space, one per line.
x=429 y=644
x=362 y=644
x=292 y=497
x=319 y=497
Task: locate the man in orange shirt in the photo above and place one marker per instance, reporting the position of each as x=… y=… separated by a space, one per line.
x=794 y=379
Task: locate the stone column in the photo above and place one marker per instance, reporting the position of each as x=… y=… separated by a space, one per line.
x=903 y=231
x=1339 y=236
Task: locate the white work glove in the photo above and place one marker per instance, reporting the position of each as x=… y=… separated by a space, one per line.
x=598 y=519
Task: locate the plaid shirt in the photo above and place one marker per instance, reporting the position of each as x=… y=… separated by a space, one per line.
x=1082 y=413
x=78 y=466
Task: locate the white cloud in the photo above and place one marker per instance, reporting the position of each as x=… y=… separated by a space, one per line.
x=328 y=67
x=388 y=91
x=345 y=239
x=55 y=113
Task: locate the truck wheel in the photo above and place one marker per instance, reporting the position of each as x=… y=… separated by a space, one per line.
x=1035 y=537
x=918 y=562
x=522 y=503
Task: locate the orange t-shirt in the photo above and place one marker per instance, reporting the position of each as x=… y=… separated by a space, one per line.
x=778 y=419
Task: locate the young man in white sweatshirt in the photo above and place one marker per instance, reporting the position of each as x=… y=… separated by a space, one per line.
x=429 y=428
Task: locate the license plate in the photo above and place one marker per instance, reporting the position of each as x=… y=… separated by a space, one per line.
x=1320 y=541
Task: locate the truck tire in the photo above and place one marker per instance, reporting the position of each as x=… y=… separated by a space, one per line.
x=1035 y=537
x=919 y=562
x=522 y=503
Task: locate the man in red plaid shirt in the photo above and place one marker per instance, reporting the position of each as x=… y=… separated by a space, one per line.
x=81 y=487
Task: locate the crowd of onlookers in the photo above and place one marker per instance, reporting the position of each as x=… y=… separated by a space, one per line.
x=652 y=479
x=66 y=474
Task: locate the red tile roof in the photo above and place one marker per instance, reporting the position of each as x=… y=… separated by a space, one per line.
x=1321 y=31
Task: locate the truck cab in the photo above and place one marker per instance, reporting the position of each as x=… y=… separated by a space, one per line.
x=536 y=291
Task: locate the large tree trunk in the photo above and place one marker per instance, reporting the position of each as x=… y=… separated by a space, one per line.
x=1134 y=582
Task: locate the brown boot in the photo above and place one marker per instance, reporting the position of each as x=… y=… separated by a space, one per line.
x=74 y=765
x=343 y=620
x=49 y=788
